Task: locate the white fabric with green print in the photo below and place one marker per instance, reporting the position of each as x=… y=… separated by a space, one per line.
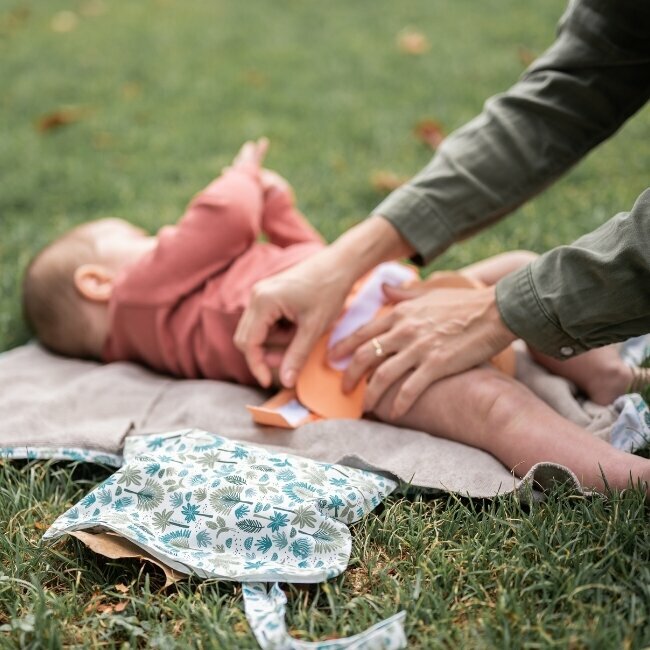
x=215 y=508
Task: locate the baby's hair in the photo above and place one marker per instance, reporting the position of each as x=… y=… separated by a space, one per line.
x=51 y=304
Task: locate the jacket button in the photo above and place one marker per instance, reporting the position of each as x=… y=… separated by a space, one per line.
x=567 y=351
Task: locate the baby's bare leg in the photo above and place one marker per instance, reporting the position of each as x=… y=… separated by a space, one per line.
x=486 y=409
x=600 y=373
x=489 y=271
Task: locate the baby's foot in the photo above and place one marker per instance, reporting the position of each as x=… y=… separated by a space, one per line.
x=604 y=387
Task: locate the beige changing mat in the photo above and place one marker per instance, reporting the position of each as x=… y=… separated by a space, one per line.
x=48 y=401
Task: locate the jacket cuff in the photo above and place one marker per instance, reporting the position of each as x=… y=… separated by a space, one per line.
x=524 y=314
x=417 y=222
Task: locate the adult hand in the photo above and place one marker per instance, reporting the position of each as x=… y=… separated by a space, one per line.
x=431 y=333
x=308 y=296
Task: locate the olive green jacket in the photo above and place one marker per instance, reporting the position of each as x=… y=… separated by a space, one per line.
x=596 y=75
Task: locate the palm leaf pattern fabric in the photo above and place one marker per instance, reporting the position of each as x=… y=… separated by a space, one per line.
x=207 y=505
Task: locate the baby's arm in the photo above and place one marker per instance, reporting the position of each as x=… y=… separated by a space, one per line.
x=282 y=222
x=219 y=225
x=489 y=271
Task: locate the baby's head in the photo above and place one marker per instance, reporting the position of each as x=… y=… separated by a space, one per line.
x=67 y=286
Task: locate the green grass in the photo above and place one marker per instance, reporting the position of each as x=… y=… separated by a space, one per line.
x=170 y=90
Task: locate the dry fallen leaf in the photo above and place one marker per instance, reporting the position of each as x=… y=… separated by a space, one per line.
x=64 y=21
x=410 y=41
x=525 y=55
x=121 y=606
x=123 y=589
x=61 y=117
x=93 y=8
x=430 y=132
x=385 y=181
x=255 y=78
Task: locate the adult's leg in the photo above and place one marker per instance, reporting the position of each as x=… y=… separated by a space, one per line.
x=486 y=409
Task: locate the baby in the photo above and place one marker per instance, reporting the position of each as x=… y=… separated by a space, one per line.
x=106 y=290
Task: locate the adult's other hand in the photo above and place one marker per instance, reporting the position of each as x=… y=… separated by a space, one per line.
x=431 y=333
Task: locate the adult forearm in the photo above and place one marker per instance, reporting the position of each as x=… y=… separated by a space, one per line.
x=591 y=293
x=578 y=93
x=367 y=244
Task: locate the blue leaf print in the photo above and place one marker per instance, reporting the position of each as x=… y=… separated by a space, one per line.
x=286 y=475
x=258 y=507
x=338 y=481
x=239 y=452
x=156 y=443
x=242 y=511
x=190 y=512
x=301 y=491
x=254 y=565
x=152 y=469
x=249 y=525
x=277 y=520
x=177 y=538
x=203 y=539
x=274 y=557
x=248 y=543
x=198 y=479
x=263 y=544
x=301 y=548
x=73 y=514
x=96 y=511
x=176 y=500
x=88 y=500
x=121 y=504
x=229 y=542
x=280 y=540
x=105 y=497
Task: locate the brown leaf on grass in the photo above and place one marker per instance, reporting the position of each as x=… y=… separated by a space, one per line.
x=64 y=22
x=430 y=132
x=410 y=41
x=385 y=182
x=94 y=603
x=255 y=78
x=525 y=55
x=93 y=8
x=121 y=606
x=123 y=589
x=131 y=90
x=61 y=117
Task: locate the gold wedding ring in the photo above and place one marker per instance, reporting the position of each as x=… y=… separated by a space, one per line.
x=379 y=351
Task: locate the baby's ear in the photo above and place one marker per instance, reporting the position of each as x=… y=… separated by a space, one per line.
x=94 y=282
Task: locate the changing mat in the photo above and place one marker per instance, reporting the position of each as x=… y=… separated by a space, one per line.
x=55 y=407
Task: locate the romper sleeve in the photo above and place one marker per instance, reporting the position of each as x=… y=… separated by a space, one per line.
x=283 y=223
x=219 y=224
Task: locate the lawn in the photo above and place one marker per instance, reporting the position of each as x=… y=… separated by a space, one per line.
x=156 y=97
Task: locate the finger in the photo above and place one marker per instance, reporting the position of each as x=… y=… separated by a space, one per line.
x=387 y=374
x=262 y=149
x=401 y=293
x=245 y=154
x=249 y=337
x=366 y=359
x=347 y=346
x=304 y=340
x=413 y=388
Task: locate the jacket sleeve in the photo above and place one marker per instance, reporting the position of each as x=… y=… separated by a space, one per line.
x=595 y=75
x=220 y=224
x=594 y=292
